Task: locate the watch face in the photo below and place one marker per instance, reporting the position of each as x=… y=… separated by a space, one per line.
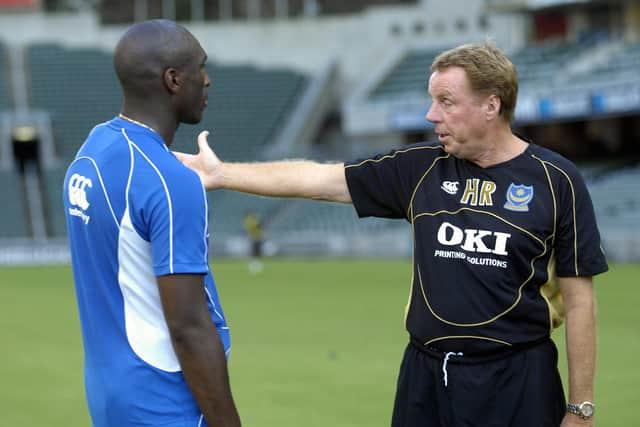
x=586 y=409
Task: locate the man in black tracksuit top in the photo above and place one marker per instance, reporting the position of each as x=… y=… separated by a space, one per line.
x=489 y=244
x=505 y=247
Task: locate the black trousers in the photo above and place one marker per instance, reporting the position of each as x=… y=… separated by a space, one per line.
x=522 y=389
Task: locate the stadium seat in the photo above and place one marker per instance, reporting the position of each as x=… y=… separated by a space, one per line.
x=247 y=105
x=13 y=223
x=78 y=87
x=539 y=65
x=616 y=199
x=52 y=181
x=228 y=210
x=4 y=78
x=536 y=65
x=308 y=215
x=621 y=66
x=410 y=75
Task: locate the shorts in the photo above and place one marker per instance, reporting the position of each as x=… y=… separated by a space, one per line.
x=521 y=389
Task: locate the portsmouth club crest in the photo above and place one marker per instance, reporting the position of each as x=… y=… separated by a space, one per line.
x=518 y=197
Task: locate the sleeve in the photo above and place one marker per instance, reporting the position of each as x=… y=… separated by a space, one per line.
x=382 y=185
x=577 y=244
x=178 y=225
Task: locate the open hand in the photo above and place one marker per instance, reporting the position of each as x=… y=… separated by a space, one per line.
x=206 y=163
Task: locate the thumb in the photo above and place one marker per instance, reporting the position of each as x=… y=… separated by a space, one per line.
x=203 y=144
x=205 y=151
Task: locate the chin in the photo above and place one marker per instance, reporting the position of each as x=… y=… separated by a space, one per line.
x=448 y=148
x=194 y=120
x=452 y=149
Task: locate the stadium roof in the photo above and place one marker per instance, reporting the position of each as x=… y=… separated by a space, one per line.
x=532 y=5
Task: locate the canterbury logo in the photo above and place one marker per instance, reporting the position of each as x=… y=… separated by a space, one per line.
x=77 y=192
x=450 y=187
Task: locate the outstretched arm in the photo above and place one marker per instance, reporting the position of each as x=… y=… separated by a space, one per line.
x=287 y=178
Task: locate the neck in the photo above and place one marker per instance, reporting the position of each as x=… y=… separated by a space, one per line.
x=500 y=147
x=129 y=119
x=162 y=123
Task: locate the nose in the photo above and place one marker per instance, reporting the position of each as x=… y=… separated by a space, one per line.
x=207 y=80
x=433 y=114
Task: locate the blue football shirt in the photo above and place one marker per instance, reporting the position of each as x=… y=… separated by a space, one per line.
x=134 y=212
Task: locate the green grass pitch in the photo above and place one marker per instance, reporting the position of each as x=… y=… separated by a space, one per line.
x=315 y=343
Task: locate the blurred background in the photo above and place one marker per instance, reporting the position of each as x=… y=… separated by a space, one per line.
x=319 y=79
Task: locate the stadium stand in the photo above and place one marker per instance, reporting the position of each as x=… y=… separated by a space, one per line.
x=307 y=215
x=410 y=75
x=621 y=66
x=569 y=76
x=77 y=87
x=4 y=86
x=246 y=108
x=247 y=105
x=52 y=180
x=228 y=209
x=537 y=65
x=13 y=224
x=616 y=199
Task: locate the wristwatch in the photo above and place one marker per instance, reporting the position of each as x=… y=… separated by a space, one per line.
x=584 y=410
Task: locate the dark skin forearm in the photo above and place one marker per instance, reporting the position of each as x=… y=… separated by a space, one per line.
x=204 y=366
x=198 y=347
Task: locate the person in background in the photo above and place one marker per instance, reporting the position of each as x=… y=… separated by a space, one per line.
x=255 y=233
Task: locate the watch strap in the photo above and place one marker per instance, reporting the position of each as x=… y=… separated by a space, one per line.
x=579 y=409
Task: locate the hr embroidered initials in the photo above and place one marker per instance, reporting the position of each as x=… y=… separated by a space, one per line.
x=476 y=194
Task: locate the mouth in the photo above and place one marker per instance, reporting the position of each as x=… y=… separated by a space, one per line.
x=442 y=136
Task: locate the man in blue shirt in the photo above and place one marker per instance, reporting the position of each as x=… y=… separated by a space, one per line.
x=154 y=333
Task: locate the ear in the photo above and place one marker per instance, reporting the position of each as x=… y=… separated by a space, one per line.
x=493 y=105
x=172 y=80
